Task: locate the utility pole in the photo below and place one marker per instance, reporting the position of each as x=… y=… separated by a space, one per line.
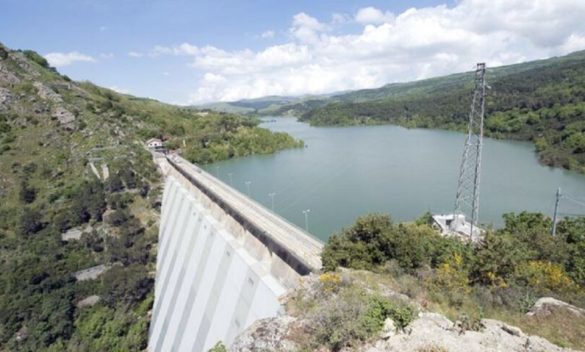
x=306 y=212
x=271 y=195
x=558 y=199
x=467 y=198
x=248 y=183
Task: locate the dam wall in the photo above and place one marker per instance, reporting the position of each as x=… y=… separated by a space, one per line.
x=222 y=262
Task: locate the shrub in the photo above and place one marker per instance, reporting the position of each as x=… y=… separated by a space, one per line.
x=30 y=222
x=545 y=275
x=27 y=193
x=451 y=276
x=34 y=56
x=497 y=259
x=218 y=347
x=330 y=281
x=355 y=315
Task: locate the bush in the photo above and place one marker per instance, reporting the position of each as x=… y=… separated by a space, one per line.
x=34 y=56
x=373 y=240
x=545 y=275
x=355 y=315
x=218 y=347
x=27 y=193
x=496 y=260
x=30 y=222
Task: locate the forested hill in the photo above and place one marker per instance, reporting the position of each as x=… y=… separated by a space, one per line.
x=541 y=101
x=78 y=190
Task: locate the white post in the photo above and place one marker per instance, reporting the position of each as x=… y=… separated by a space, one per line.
x=306 y=212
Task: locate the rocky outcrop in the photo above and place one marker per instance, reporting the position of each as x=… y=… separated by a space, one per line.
x=5 y=98
x=64 y=116
x=24 y=64
x=88 y=301
x=311 y=304
x=269 y=334
x=430 y=332
x=547 y=305
x=7 y=77
x=47 y=93
x=434 y=332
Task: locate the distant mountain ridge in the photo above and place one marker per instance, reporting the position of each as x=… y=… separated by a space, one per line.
x=541 y=101
x=298 y=105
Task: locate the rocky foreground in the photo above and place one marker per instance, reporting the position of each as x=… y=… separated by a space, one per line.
x=427 y=332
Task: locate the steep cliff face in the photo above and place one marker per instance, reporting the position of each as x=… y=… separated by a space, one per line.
x=350 y=312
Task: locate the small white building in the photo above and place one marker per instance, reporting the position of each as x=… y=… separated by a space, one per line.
x=456 y=225
x=154 y=143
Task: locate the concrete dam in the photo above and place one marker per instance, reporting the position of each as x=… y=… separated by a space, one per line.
x=224 y=261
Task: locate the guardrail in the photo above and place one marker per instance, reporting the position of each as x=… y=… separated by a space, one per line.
x=284 y=253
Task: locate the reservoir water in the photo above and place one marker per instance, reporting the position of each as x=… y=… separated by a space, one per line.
x=345 y=172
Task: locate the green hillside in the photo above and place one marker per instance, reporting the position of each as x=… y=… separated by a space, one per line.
x=541 y=101
x=72 y=156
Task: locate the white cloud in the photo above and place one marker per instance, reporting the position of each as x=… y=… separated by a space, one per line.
x=307 y=29
x=66 y=59
x=135 y=54
x=371 y=15
x=417 y=43
x=181 y=49
x=106 y=56
x=339 y=18
x=267 y=34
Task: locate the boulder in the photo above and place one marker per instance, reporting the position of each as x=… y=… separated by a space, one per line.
x=546 y=305
x=64 y=116
x=267 y=335
x=88 y=301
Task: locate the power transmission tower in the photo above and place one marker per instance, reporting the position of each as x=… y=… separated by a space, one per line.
x=467 y=198
x=557 y=200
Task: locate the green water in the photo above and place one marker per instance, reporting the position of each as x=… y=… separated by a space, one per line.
x=348 y=171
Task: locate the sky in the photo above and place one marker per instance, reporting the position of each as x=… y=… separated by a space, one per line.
x=192 y=52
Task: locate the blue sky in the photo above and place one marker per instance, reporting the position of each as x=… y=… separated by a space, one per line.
x=190 y=52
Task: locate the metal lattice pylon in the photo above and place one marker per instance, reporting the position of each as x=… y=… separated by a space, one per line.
x=467 y=199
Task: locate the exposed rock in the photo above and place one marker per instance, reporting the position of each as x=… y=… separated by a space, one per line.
x=7 y=77
x=47 y=93
x=267 y=335
x=64 y=116
x=90 y=273
x=24 y=63
x=546 y=305
x=388 y=330
x=22 y=334
x=74 y=233
x=88 y=301
x=105 y=171
x=435 y=330
x=430 y=332
x=5 y=97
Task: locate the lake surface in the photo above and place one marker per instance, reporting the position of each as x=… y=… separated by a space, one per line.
x=345 y=172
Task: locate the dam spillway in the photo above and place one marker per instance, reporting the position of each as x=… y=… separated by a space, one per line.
x=223 y=261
